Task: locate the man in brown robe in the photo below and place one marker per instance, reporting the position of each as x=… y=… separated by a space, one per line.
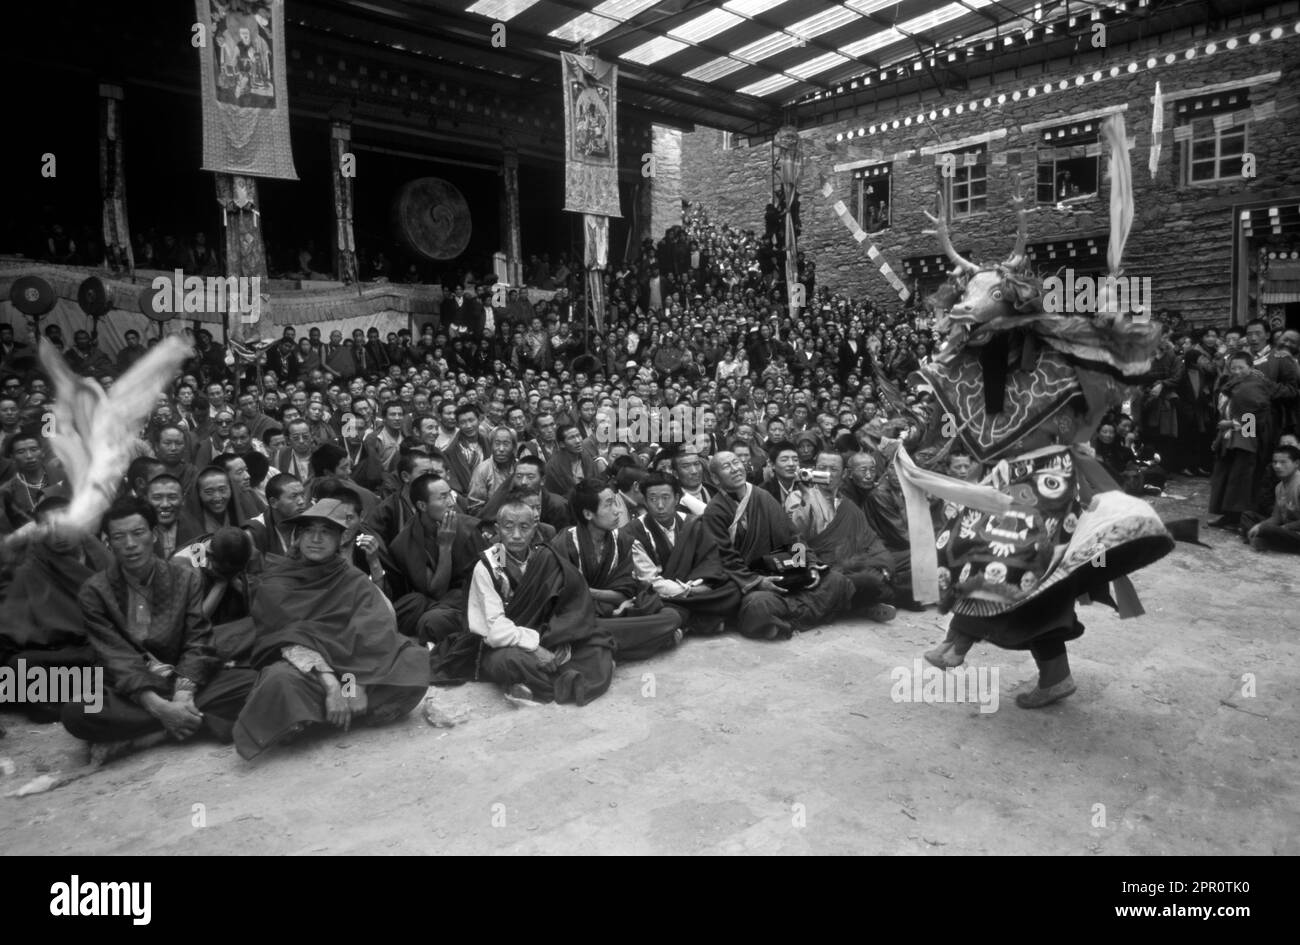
x=1245 y=402
x=433 y=558
x=672 y=554
x=42 y=623
x=213 y=503
x=836 y=531
x=569 y=464
x=532 y=622
x=467 y=449
x=633 y=612
x=747 y=525
x=327 y=643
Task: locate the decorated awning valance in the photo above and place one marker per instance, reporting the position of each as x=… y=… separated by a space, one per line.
x=1280 y=283
x=1077 y=251
x=1279 y=217
x=936 y=265
x=287 y=306
x=875 y=172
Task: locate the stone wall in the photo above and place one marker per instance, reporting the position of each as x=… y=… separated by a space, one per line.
x=666 y=186
x=1182 y=235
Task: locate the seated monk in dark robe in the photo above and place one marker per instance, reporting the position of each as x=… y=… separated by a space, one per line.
x=633 y=612
x=881 y=501
x=836 y=531
x=230 y=567
x=528 y=478
x=747 y=524
x=532 y=622
x=672 y=554
x=433 y=558
x=534 y=500
x=391 y=515
x=326 y=643
x=286 y=496
x=42 y=623
x=569 y=464
x=212 y=503
x=362 y=546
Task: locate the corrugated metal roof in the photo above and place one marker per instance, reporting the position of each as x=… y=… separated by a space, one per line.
x=743 y=65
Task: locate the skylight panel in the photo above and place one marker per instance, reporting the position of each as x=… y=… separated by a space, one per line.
x=601 y=19
x=767 y=86
x=715 y=69
x=501 y=11
x=661 y=47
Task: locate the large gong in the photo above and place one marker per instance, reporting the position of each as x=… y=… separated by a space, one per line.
x=432 y=218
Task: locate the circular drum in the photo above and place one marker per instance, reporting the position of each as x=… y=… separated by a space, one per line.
x=93 y=297
x=32 y=296
x=432 y=218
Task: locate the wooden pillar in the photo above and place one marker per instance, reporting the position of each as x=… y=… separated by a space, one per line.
x=514 y=251
x=118 y=255
x=1241 y=271
x=344 y=241
x=245 y=253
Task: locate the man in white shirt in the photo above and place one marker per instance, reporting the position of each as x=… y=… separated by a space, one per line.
x=516 y=588
x=688 y=464
x=673 y=555
x=296 y=457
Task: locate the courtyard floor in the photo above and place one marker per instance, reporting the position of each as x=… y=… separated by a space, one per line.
x=733 y=746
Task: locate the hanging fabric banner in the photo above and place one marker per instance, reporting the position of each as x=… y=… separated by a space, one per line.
x=596 y=242
x=244 y=92
x=112 y=181
x=590 y=135
x=345 y=243
x=790 y=167
x=1157 y=130
x=873 y=252
x=596 y=228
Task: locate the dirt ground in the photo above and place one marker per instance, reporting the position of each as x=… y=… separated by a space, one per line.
x=733 y=746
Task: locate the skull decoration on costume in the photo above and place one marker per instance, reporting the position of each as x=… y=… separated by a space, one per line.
x=1002 y=556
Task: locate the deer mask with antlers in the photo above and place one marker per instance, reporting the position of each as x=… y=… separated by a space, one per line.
x=989 y=292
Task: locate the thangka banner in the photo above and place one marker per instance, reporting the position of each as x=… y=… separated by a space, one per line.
x=590 y=135
x=245 y=95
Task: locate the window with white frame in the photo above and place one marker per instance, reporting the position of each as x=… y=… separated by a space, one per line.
x=1065 y=170
x=871 y=196
x=966 y=191
x=1213 y=146
x=728 y=140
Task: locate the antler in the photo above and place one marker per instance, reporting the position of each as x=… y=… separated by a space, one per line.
x=941 y=228
x=1022 y=231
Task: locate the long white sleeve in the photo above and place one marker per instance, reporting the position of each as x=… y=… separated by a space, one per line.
x=487 y=615
x=305 y=659
x=691 y=504
x=646 y=570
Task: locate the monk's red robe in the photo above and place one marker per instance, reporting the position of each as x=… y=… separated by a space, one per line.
x=551 y=598
x=763 y=529
x=430 y=588
x=334 y=610
x=692 y=557
x=650 y=628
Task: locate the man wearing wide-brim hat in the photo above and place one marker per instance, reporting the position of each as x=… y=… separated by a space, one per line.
x=327 y=642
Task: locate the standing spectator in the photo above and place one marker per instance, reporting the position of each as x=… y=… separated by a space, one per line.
x=1244 y=404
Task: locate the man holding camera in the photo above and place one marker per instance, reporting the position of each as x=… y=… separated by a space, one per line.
x=836 y=531
x=783 y=586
